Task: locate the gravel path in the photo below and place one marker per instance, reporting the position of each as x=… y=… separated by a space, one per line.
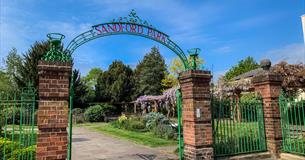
x=90 y=145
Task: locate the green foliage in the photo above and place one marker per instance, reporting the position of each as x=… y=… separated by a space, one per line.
x=13 y=65
x=243 y=66
x=249 y=97
x=12 y=150
x=78 y=115
x=80 y=91
x=149 y=74
x=116 y=84
x=160 y=125
x=12 y=115
x=164 y=131
x=132 y=124
x=28 y=71
x=97 y=113
x=90 y=81
x=169 y=81
x=94 y=114
x=176 y=66
x=6 y=85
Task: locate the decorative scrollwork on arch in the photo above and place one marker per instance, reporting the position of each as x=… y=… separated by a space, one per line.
x=132 y=18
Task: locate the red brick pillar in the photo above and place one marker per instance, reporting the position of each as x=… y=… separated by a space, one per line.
x=269 y=85
x=53 y=110
x=196 y=114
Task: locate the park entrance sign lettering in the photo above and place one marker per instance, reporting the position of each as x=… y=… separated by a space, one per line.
x=114 y=28
x=130 y=25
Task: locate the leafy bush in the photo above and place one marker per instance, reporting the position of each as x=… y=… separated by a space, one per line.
x=160 y=125
x=94 y=114
x=12 y=150
x=107 y=109
x=78 y=115
x=132 y=123
x=164 y=131
x=98 y=112
x=153 y=119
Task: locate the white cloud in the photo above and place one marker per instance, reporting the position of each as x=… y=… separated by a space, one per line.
x=223 y=49
x=292 y=53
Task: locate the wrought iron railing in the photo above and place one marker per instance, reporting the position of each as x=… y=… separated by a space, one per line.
x=18 y=128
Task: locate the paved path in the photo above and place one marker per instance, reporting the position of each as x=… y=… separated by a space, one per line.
x=89 y=145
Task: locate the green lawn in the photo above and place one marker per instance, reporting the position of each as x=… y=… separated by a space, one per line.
x=144 y=138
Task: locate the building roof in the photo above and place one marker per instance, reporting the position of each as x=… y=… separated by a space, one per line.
x=248 y=74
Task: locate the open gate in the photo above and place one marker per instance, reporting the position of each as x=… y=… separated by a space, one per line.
x=180 y=135
x=238 y=127
x=18 y=128
x=70 y=125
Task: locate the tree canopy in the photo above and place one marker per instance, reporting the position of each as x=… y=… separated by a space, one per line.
x=243 y=66
x=116 y=84
x=175 y=68
x=149 y=73
x=28 y=71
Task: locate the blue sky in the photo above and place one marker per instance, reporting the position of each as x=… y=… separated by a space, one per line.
x=226 y=31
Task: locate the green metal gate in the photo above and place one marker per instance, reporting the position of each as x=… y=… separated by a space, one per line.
x=238 y=127
x=18 y=128
x=70 y=125
x=293 y=124
x=180 y=135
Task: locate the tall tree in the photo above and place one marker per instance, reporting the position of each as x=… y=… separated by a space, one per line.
x=121 y=82
x=90 y=81
x=80 y=91
x=116 y=84
x=243 y=66
x=13 y=65
x=149 y=73
x=28 y=71
x=175 y=68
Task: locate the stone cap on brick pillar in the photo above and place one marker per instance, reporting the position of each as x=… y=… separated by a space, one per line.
x=266 y=76
x=63 y=67
x=54 y=79
x=186 y=76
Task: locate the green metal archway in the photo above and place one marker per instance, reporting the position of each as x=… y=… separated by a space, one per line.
x=130 y=25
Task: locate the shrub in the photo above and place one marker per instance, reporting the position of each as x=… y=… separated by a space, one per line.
x=160 y=125
x=94 y=114
x=153 y=119
x=132 y=123
x=13 y=151
x=108 y=109
x=97 y=113
x=164 y=131
x=78 y=115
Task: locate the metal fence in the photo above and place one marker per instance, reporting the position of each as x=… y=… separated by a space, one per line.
x=293 y=124
x=18 y=125
x=238 y=127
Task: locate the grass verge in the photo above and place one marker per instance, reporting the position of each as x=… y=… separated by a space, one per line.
x=144 y=138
